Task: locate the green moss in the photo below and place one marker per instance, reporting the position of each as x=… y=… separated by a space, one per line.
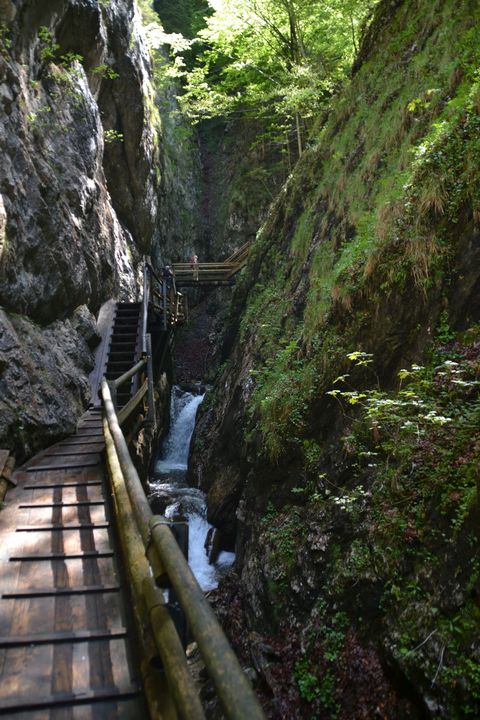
x=280 y=536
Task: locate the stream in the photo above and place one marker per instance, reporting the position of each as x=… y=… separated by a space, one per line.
x=171 y=496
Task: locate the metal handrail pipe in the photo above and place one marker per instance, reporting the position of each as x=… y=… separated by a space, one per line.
x=140 y=506
x=152 y=272
x=129 y=374
x=234 y=691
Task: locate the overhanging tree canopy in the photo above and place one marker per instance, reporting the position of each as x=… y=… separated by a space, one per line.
x=275 y=60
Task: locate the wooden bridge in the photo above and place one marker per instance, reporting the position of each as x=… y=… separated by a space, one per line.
x=211 y=273
x=85 y=631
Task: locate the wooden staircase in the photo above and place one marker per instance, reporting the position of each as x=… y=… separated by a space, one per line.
x=124 y=349
x=120 y=326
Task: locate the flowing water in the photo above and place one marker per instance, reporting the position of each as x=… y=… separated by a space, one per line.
x=171 y=496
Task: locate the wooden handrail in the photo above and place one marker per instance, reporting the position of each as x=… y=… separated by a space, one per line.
x=129 y=374
x=148 y=599
x=188 y=266
x=133 y=403
x=212 y=271
x=241 y=250
x=234 y=691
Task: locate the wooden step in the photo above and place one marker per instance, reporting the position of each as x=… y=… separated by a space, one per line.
x=55 y=592
x=64 y=466
x=81 y=555
x=67 y=636
x=23 y=704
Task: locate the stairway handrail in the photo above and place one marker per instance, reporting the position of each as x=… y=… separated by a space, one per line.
x=241 y=250
x=168 y=302
x=129 y=373
x=234 y=691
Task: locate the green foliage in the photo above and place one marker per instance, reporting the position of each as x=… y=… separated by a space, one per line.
x=185 y=17
x=315 y=673
x=430 y=405
x=281 y=533
x=38 y=119
x=278 y=62
x=281 y=394
x=48 y=46
x=306 y=680
x=112 y=136
x=105 y=71
x=5 y=40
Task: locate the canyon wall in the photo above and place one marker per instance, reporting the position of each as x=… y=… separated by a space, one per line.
x=78 y=199
x=347 y=489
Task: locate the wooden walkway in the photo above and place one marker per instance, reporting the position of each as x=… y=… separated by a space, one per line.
x=66 y=650
x=220 y=273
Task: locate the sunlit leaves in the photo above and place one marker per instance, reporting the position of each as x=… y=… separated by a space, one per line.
x=272 y=59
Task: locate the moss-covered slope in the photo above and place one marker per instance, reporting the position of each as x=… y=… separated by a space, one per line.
x=351 y=492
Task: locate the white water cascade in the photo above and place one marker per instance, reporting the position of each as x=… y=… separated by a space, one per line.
x=171 y=496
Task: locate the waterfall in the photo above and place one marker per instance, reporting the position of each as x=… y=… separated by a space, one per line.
x=171 y=496
x=183 y=409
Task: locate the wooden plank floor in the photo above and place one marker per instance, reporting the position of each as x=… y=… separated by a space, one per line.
x=65 y=653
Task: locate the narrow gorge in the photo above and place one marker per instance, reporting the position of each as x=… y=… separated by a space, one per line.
x=321 y=161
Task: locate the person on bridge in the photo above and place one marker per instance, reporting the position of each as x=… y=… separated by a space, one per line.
x=194 y=266
x=169 y=279
x=168 y=276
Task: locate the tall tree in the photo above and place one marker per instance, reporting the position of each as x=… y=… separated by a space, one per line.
x=275 y=60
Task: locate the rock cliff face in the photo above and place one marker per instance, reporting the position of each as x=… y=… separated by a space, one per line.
x=78 y=195
x=351 y=533
x=239 y=180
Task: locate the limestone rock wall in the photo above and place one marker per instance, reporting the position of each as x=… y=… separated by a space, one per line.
x=78 y=195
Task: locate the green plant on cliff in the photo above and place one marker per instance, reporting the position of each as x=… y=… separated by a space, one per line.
x=417 y=449
x=5 y=40
x=112 y=136
x=48 y=46
x=105 y=71
x=316 y=672
x=281 y=533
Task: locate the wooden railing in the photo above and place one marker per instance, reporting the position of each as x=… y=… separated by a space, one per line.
x=154 y=561
x=162 y=295
x=211 y=273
